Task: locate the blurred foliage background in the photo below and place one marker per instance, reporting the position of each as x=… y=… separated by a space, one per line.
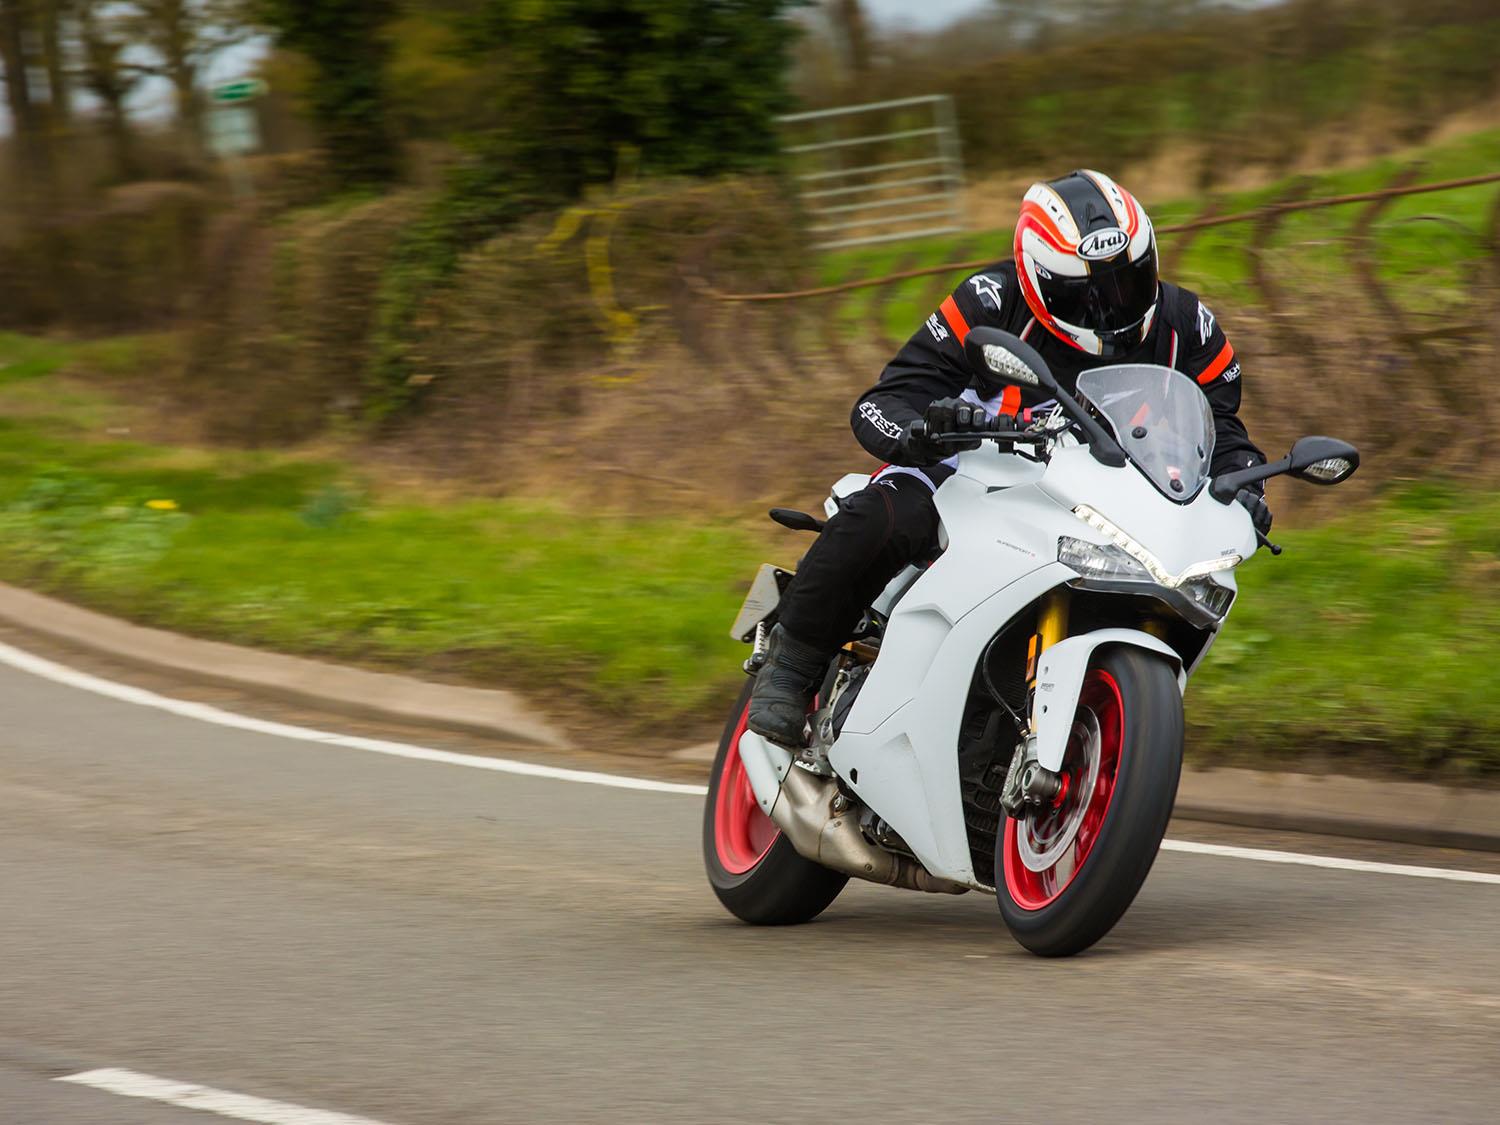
x=438 y=376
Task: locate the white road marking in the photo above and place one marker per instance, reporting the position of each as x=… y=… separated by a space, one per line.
x=58 y=673
x=1337 y=863
x=241 y=1107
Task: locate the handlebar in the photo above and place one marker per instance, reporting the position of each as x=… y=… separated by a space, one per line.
x=1032 y=437
x=919 y=429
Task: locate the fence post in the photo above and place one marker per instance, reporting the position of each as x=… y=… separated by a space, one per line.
x=1296 y=342
x=1179 y=248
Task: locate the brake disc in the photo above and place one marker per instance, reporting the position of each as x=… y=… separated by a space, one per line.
x=1045 y=836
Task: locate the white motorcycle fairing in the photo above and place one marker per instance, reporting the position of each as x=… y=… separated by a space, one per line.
x=1007 y=713
x=1003 y=515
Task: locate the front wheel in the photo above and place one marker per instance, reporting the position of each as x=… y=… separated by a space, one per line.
x=1064 y=875
x=752 y=867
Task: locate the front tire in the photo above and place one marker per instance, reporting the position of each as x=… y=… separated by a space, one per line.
x=752 y=867
x=1064 y=876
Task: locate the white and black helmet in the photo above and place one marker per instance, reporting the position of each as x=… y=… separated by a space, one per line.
x=1086 y=260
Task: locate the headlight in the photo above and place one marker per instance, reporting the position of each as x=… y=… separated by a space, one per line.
x=1152 y=565
x=1100 y=560
x=1106 y=561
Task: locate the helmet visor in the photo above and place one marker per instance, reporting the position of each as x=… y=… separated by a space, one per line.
x=1108 y=300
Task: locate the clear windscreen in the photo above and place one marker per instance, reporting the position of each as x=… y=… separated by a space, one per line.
x=1161 y=419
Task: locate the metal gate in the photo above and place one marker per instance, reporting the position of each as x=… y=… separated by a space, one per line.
x=879 y=172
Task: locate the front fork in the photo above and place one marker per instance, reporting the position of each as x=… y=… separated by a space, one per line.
x=1026 y=782
x=1051 y=627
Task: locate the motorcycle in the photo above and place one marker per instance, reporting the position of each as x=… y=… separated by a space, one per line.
x=1008 y=717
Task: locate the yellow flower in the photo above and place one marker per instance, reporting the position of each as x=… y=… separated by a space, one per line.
x=162 y=505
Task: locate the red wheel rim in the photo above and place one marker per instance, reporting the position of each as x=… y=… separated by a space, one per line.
x=1099 y=707
x=743 y=834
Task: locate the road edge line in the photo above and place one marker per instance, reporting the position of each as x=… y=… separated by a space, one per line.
x=1326 y=804
x=84 y=681
x=24 y=661
x=208 y=1099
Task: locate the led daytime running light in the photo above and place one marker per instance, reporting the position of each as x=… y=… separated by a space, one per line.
x=1152 y=564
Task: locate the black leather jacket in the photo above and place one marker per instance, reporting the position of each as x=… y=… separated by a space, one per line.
x=1184 y=335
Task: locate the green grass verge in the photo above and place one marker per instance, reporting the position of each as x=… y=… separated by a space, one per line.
x=1376 y=637
x=1423 y=244
x=303 y=556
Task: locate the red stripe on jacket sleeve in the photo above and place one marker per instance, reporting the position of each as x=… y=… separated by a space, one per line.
x=1216 y=368
x=955 y=319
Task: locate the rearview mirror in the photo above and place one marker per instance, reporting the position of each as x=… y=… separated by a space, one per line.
x=1001 y=357
x=1323 y=460
x=1317 y=460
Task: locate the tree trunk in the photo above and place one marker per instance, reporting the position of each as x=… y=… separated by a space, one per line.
x=190 y=112
x=850 y=15
x=13 y=20
x=108 y=82
x=60 y=103
x=33 y=148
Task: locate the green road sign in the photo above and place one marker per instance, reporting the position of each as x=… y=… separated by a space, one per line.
x=240 y=91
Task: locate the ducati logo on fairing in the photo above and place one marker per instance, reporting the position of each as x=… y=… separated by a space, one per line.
x=1102 y=244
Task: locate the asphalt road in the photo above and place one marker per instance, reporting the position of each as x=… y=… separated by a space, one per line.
x=417 y=942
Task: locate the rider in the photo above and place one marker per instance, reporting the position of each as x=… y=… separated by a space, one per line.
x=1083 y=290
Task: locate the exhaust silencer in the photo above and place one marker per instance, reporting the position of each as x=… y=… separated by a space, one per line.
x=801 y=804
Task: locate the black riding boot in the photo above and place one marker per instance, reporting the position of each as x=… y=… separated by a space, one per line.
x=784 y=687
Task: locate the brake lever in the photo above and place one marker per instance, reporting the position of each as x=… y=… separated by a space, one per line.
x=1025 y=436
x=1262 y=541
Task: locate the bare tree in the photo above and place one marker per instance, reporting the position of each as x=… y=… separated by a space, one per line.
x=51 y=17
x=183 y=36
x=28 y=113
x=849 y=18
x=105 y=74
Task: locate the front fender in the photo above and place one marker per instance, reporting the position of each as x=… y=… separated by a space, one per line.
x=1059 y=681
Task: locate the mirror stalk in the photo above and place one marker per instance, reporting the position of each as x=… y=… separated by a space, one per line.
x=1224 y=489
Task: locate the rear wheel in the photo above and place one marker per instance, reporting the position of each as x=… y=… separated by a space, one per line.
x=752 y=867
x=1065 y=874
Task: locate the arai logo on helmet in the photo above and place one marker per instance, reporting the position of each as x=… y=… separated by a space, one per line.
x=1101 y=244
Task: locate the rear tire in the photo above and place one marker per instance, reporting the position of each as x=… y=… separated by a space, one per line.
x=752 y=867
x=1130 y=720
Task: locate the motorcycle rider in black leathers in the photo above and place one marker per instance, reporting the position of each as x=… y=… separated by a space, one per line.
x=1083 y=290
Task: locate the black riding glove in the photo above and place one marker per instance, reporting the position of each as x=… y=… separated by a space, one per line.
x=1254 y=501
x=957 y=416
x=919 y=450
x=952 y=416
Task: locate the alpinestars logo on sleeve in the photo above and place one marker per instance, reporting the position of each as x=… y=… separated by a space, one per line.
x=871 y=414
x=935 y=326
x=988 y=289
x=1205 y=323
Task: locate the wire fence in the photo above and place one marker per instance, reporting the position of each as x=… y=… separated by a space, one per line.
x=1265 y=219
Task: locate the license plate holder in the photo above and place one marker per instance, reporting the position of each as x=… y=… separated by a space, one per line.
x=769 y=584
